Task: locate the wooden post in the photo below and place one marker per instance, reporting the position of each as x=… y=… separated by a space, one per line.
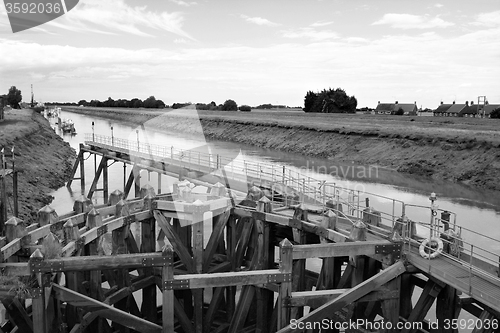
x=264 y=297
x=82 y=169
x=447 y=308
x=137 y=181
x=82 y=205
x=14 y=193
x=73 y=279
x=119 y=246
x=38 y=301
x=299 y=266
x=47 y=215
x=168 y=292
x=115 y=197
x=358 y=233
x=286 y=257
x=197 y=227
x=105 y=181
x=148 y=245
x=14 y=228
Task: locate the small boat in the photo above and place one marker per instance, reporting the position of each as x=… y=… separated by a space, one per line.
x=67 y=126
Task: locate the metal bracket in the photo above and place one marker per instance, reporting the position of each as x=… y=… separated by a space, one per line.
x=44 y=266
x=278 y=278
x=157 y=261
x=35 y=292
x=389 y=249
x=79 y=243
x=294 y=223
x=127 y=220
x=55 y=227
x=261 y=216
x=154 y=204
x=102 y=230
x=175 y=284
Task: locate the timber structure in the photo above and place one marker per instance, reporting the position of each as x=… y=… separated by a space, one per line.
x=273 y=252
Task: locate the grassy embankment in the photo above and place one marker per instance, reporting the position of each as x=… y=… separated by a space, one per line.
x=42 y=159
x=463 y=150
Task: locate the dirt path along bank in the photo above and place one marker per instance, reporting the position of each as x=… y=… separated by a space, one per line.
x=42 y=158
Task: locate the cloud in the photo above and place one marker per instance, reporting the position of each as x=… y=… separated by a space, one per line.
x=184 y=3
x=115 y=16
x=321 y=24
x=491 y=19
x=260 y=21
x=438 y=5
x=311 y=34
x=409 y=21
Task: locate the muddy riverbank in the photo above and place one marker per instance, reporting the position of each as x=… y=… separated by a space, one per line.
x=42 y=159
x=460 y=150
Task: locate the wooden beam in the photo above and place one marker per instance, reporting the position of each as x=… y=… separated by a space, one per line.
x=350 y=296
x=337 y=249
x=424 y=303
x=176 y=242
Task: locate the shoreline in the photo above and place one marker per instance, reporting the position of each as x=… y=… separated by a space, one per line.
x=42 y=158
x=461 y=150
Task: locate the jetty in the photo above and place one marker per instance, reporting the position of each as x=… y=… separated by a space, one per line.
x=261 y=249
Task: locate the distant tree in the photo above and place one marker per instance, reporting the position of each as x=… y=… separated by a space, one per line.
x=108 y=103
x=150 y=102
x=245 y=108
x=179 y=105
x=160 y=104
x=399 y=112
x=229 y=105
x=14 y=97
x=134 y=103
x=265 y=106
x=330 y=101
x=495 y=113
x=202 y=106
x=309 y=101
x=83 y=102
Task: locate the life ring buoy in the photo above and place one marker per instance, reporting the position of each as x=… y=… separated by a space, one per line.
x=424 y=245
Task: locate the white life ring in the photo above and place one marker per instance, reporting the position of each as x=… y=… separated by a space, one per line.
x=434 y=254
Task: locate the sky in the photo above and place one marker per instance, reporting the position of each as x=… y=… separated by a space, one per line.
x=259 y=51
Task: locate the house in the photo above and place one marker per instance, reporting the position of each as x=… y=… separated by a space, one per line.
x=452 y=110
x=409 y=109
x=465 y=110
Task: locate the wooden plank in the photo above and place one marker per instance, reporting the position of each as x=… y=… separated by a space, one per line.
x=352 y=295
x=336 y=249
x=242 y=244
x=96 y=177
x=319 y=297
x=242 y=309
x=226 y=279
x=110 y=312
x=179 y=247
x=88 y=263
